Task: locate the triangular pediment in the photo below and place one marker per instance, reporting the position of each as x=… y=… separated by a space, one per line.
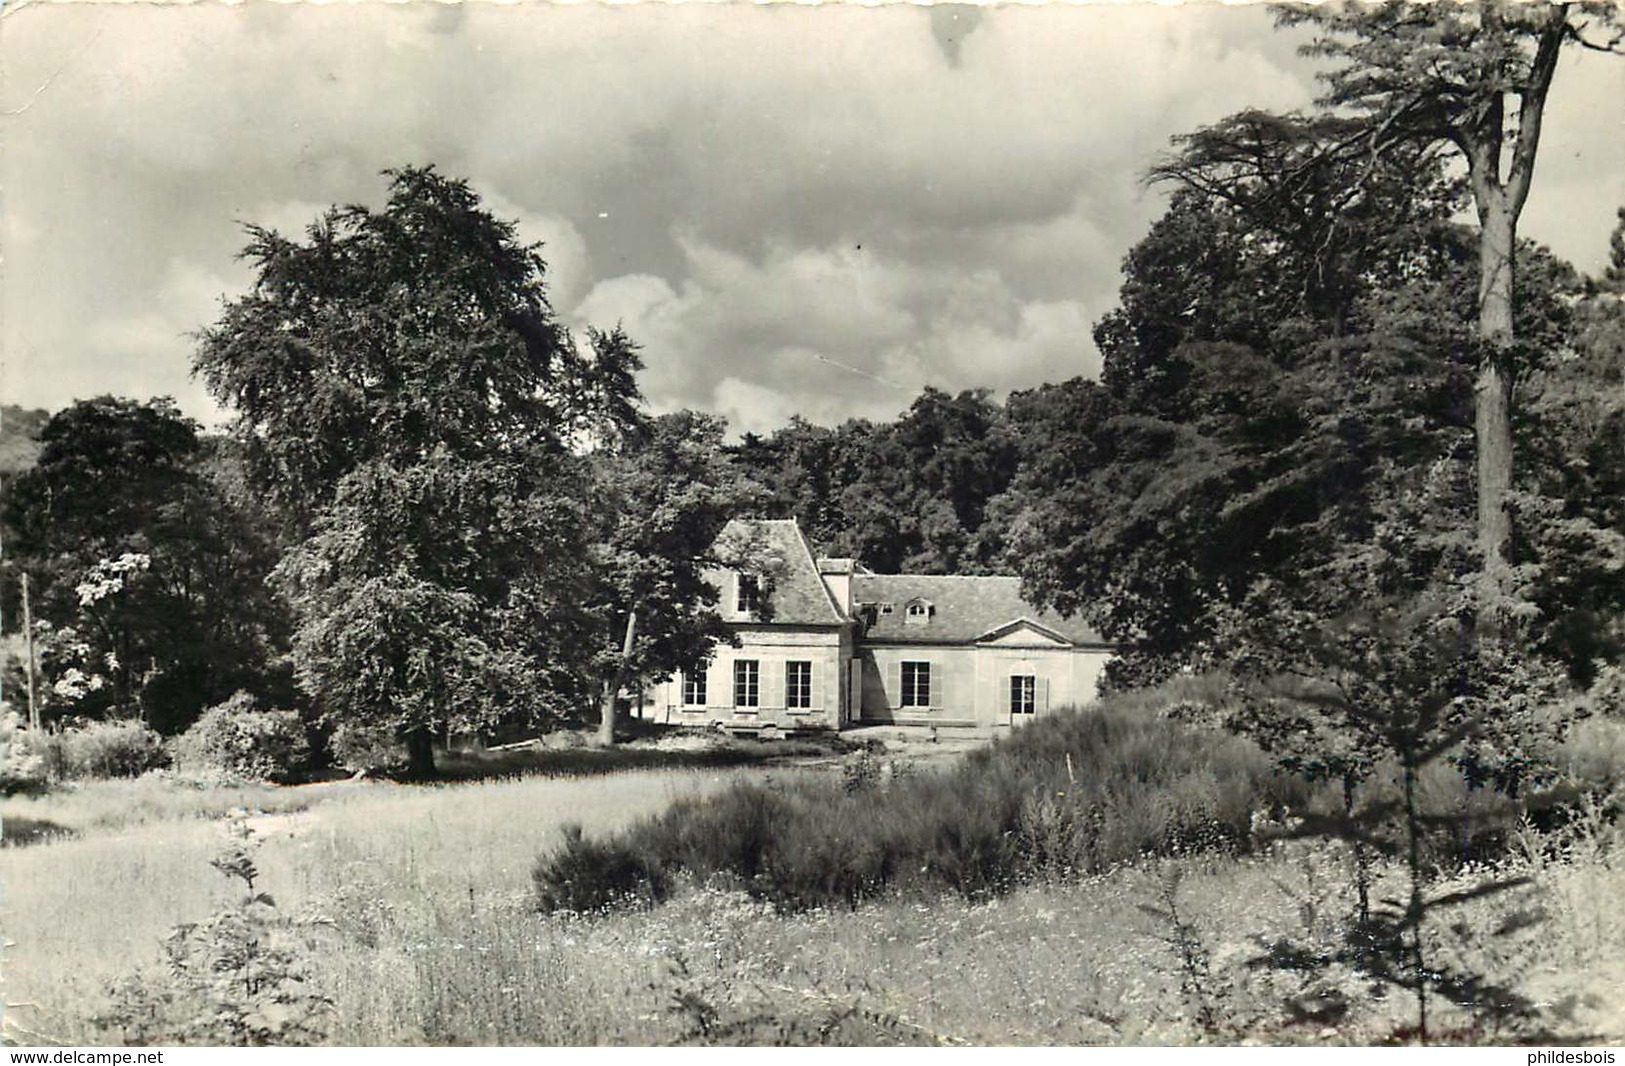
x=1024 y=632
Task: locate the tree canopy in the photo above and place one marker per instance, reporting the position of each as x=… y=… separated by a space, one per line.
x=908 y=495
x=412 y=404
x=1475 y=78
x=1299 y=357
x=662 y=497
x=386 y=336
x=193 y=621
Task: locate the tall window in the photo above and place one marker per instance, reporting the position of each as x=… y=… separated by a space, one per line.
x=749 y=600
x=747 y=683
x=694 y=689
x=798 y=684
x=1023 y=693
x=916 y=684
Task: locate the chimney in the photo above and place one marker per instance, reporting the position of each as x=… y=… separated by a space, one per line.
x=837 y=575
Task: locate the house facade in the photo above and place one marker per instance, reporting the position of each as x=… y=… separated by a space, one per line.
x=824 y=644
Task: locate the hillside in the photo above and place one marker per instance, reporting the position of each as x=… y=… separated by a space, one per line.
x=19 y=426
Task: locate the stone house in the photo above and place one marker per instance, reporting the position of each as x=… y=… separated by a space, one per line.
x=825 y=644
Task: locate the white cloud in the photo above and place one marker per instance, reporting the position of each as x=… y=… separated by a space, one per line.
x=792 y=201
x=569 y=264
x=751 y=408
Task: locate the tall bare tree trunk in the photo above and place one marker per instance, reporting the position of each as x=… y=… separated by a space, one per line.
x=1493 y=414
x=1500 y=199
x=606 y=716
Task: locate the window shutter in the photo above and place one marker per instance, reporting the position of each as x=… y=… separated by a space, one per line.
x=773 y=683
x=939 y=686
x=820 y=683
x=1041 y=695
x=894 y=684
x=854 y=693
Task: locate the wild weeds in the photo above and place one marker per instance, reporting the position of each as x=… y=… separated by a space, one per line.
x=1196 y=981
x=232 y=979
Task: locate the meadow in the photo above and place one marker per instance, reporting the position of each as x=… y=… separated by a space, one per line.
x=412 y=909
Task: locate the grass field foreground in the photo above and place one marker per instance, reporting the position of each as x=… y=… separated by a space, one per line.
x=369 y=868
x=412 y=909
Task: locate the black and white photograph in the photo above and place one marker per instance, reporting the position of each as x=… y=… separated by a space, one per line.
x=552 y=524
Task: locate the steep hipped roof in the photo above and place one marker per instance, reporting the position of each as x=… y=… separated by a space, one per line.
x=776 y=550
x=962 y=609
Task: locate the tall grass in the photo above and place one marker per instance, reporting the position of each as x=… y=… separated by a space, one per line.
x=375 y=871
x=1072 y=794
x=124 y=803
x=416 y=915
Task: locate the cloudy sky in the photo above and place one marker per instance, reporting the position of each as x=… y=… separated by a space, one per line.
x=794 y=210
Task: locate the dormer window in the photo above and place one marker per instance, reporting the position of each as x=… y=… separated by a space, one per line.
x=749 y=598
x=917 y=613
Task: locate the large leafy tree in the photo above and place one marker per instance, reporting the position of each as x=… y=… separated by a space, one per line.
x=937 y=468
x=1571 y=428
x=447 y=594
x=408 y=399
x=1247 y=420
x=663 y=495
x=116 y=479
x=1476 y=78
x=103 y=468
x=387 y=335
x=805 y=470
x=1325 y=357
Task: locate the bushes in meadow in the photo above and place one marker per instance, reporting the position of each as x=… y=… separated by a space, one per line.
x=1068 y=795
x=30 y=762
x=114 y=748
x=236 y=739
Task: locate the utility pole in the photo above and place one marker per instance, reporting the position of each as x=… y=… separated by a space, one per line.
x=3 y=656
x=28 y=630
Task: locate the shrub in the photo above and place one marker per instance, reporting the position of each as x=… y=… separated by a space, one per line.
x=105 y=749
x=586 y=875
x=22 y=763
x=235 y=739
x=1068 y=795
x=1593 y=754
x=358 y=746
x=860 y=771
